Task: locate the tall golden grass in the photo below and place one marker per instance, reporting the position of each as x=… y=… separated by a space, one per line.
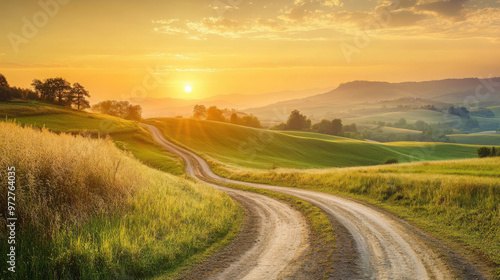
x=89 y=210
x=458 y=200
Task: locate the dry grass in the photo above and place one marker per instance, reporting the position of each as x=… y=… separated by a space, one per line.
x=89 y=210
x=456 y=200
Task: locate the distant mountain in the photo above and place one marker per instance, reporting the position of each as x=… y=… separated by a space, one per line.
x=362 y=94
x=170 y=107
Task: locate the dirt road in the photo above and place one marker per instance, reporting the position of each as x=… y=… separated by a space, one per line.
x=384 y=246
x=280 y=237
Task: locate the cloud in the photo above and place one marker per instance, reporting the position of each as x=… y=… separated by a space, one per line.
x=447 y=8
x=320 y=20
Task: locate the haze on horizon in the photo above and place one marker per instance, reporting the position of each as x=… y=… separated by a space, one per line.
x=197 y=49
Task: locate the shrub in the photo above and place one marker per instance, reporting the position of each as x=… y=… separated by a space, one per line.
x=484 y=152
x=391 y=161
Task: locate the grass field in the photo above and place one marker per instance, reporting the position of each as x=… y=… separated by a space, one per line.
x=128 y=135
x=388 y=130
x=476 y=139
x=428 y=116
x=454 y=200
x=88 y=210
x=412 y=116
x=264 y=149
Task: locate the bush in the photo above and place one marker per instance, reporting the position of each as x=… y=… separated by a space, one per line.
x=391 y=161
x=484 y=152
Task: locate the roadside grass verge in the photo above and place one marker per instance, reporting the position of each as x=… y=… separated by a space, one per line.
x=87 y=210
x=458 y=201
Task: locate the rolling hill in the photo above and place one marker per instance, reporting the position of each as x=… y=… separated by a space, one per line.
x=128 y=135
x=265 y=149
x=342 y=101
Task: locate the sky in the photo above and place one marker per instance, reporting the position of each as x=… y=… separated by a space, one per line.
x=154 y=48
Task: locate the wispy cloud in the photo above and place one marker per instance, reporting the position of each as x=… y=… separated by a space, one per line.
x=301 y=18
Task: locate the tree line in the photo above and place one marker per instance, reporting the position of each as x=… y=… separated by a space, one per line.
x=120 y=109
x=53 y=90
x=225 y=115
x=300 y=122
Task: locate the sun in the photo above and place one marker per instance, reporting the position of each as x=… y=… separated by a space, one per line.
x=188 y=89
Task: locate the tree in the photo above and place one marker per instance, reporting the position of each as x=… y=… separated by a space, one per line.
x=401 y=122
x=351 y=128
x=215 y=114
x=54 y=90
x=199 y=111
x=324 y=127
x=493 y=152
x=483 y=152
x=234 y=118
x=297 y=121
x=459 y=111
x=3 y=81
x=251 y=121
x=79 y=94
x=121 y=109
x=337 y=127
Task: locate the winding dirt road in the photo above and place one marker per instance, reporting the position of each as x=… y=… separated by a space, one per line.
x=281 y=231
x=384 y=247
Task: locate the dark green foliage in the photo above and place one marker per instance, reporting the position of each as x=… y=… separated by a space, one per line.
x=483 y=112
x=215 y=114
x=459 y=111
x=486 y=152
x=391 y=161
x=121 y=109
x=297 y=121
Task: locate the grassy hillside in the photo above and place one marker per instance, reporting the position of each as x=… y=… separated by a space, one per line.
x=476 y=139
x=263 y=149
x=87 y=210
x=412 y=116
x=312 y=135
x=454 y=200
x=388 y=130
x=128 y=135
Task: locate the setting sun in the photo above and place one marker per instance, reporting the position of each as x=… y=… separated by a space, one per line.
x=188 y=89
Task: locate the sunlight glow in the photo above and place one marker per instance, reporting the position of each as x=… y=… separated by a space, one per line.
x=188 y=89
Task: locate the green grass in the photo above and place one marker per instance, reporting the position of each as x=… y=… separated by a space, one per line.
x=412 y=116
x=88 y=210
x=476 y=139
x=143 y=147
x=127 y=134
x=454 y=200
x=313 y=135
x=388 y=130
x=495 y=110
x=263 y=149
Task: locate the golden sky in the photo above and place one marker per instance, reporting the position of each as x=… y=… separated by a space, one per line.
x=155 y=48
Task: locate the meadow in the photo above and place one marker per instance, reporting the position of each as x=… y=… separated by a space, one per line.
x=88 y=210
x=128 y=135
x=264 y=149
x=476 y=139
x=457 y=201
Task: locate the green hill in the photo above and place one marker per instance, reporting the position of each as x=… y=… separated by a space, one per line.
x=128 y=135
x=476 y=139
x=264 y=149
